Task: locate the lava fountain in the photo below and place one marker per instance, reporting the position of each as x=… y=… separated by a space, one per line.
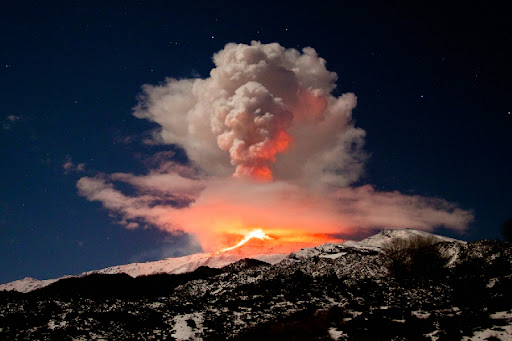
x=257 y=233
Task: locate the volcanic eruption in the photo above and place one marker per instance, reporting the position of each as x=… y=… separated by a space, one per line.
x=258 y=233
x=272 y=155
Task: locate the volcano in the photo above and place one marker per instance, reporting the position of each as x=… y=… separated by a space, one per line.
x=269 y=250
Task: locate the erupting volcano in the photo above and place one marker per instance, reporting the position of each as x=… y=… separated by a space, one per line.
x=271 y=152
x=258 y=242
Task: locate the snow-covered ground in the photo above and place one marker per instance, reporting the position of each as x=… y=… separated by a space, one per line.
x=499 y=332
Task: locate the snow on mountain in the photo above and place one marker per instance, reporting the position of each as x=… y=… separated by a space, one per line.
x=383 y=237
x=371 y=244
x=177 y=265
x=184 y=264
x=343 y=291
x=28 y=284
x=329 y=250
x=266 y=251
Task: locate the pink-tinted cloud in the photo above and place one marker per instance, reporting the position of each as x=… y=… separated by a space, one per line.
x=70 y=167
x=228 y=207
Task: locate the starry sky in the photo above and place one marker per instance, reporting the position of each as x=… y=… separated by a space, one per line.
x=433 y=86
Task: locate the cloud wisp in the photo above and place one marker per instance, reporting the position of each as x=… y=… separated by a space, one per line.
x=70 y=167
x=10 y=121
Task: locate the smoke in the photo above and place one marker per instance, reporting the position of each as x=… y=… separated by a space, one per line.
x=227 y=208
x=265 y=112
x=270 y=147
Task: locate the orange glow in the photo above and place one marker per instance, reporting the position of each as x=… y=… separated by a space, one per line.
x=228 y=211
x=282 y=141
x=262 y=173
x=263 y=155
x=258 y=241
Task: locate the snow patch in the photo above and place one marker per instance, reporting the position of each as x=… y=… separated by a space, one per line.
x=420 y=314
x=334 y=255
x=188 y=326
x=499 y=332
x=53 y=324
x=335 y=334
x=502 y=315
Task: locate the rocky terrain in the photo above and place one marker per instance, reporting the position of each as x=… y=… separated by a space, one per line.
x=349 y=291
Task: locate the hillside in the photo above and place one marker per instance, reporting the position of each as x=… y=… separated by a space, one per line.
x=269 y=254
x=333 y=291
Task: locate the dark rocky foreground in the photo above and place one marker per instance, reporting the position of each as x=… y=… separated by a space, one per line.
x=339 y=293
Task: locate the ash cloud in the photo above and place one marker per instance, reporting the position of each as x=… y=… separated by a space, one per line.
x=269 y=146
x=264 y=112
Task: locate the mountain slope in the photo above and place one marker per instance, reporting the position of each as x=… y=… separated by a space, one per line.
x=27 y=284
x=333 y=291
x=269 y=252
x=380 y=239
x=254 y=249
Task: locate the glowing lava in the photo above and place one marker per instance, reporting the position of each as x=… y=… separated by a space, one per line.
x=258 y=233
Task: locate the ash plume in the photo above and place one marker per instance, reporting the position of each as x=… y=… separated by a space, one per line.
x=270 y=147
x=265 y=109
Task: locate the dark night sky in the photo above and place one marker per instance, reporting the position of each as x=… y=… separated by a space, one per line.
x=433 y=86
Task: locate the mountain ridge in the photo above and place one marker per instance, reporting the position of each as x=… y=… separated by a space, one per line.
x=189 y=263
x=338 y=291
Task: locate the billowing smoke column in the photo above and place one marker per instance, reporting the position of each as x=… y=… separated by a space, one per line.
x=270 y=149
x=261 y=100
x=252 y=125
